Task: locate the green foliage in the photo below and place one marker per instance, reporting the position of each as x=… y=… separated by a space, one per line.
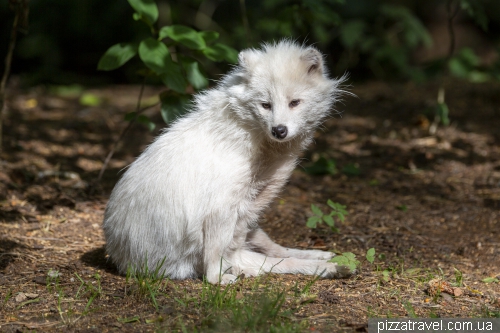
x=402 y=208
x=146 y=282
x=338 y=211
x=87 y=288
x=465 y=64
x=346 y=259
x=176 y=72
x=116 y=56
x=409 y=309
x=490 y=280
x=351 y=169
x=370 y=255
x=145 y=10
x=475 y=9
x=387 y=43
x=322 y=166
x=226 y=308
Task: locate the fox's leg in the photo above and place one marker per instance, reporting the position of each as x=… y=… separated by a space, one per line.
x=252 y=263
x=223 y=236
x=259 y=241
x=218 y=234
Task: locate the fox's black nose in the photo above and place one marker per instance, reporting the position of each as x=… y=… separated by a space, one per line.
x=279 y=132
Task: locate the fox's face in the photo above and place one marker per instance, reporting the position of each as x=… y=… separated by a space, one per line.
x=284 y=89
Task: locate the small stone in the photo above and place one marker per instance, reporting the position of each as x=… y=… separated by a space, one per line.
x=21 y=297
x=40 y=280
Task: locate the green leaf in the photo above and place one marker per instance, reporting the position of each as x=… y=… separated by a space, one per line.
x=194 y=75
x=322 y=166
x=370 y=255
x=116 y=56
x=351 y=170
x=143 y=119
x=173 y=106
x=337 y=207
x=129 y=319
x=490 y=280
x=346 y=259
x=328 y=220
x=349 y=255
x=402 y=208
x=89 y=99
x=316 y=211
x=442 y=112
x=155 y=55
x=184 y=35
x=174 y=78
x=147 y=9
x=219 y=52
x=476 y=10
x=312 y=222
x=340 y=260
x=209 y=36
x=129 y=116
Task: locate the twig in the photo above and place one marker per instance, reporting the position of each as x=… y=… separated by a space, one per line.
x=451 y=15
x=20 y=22
x=124 y=131
x=244 y=17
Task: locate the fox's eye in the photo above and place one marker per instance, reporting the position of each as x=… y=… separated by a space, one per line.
x=294 y=103
x=266 y=106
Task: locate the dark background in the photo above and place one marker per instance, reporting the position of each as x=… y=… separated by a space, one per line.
x=67 y=38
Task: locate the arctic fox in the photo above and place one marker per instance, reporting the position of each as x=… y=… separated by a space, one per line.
x=190 y=203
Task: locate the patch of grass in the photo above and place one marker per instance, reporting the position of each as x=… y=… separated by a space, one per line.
x=88 y=288
x=8 y=295
x=249 y=305
x=147 y=283
x=409 y=309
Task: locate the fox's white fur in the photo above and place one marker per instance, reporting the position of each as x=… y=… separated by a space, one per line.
x=192 y=200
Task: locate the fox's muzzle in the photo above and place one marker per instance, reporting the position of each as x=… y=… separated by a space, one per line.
x=279 y=132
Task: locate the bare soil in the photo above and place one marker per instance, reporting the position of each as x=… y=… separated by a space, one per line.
x=430 y=203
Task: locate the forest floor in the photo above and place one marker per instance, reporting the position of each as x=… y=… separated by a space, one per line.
x=429 y=204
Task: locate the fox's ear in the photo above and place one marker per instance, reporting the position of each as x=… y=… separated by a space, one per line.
x=247 y=58
x=314 y=60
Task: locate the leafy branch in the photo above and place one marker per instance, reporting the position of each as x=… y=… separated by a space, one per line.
x=171 y=54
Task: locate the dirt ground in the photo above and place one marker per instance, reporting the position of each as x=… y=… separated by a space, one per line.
x=429 y=203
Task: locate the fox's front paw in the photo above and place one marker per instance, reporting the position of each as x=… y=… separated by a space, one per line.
x=343 y=272
x=334 y=271
x=227 y=279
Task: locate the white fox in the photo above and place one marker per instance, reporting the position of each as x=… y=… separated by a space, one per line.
x=190 y=203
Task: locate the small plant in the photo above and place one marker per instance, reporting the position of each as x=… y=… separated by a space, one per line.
x=87 y=287
x=490 y=280
x=370 y=255
x=338 y=211
x=459 y=278
x=147 y=283
x=7 y=297
x=409 y=308
x=322 y=166
x=346 y=259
